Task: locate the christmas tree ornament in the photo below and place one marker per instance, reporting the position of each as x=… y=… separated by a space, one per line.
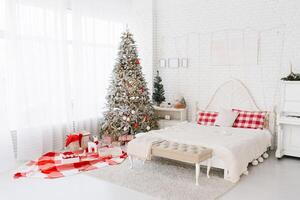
x=127 y=85
x=148 y=128
x=144 y=119
x=104 y=126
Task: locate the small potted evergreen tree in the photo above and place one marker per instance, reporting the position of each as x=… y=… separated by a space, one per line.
x=158 y=95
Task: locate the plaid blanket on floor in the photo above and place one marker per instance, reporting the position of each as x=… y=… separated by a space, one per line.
x=52 y=165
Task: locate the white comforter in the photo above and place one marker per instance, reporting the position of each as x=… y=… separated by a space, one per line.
x=235 y=146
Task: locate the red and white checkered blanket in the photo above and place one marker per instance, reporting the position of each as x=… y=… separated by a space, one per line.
x=51 y=164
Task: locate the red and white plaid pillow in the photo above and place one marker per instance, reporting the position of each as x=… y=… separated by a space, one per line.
x=250 y=119
x=207 y=118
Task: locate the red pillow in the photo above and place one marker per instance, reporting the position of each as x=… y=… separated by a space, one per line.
x=249 y=119
x=207 y=118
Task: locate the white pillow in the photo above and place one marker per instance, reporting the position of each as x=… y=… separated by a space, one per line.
x=226 y=118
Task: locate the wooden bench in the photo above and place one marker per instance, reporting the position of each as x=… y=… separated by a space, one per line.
x=193 y=154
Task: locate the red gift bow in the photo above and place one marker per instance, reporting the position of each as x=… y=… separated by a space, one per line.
x=73 y=138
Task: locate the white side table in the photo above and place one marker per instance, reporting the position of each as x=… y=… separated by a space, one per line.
x=177 y=115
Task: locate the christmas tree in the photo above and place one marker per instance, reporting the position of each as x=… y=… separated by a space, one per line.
x=159 y=92
x=129 y=110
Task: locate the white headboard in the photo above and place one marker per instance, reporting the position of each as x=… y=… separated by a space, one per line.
x=232 y=94
x=235 y=94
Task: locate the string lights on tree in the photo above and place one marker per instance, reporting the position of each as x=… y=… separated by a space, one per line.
x=129 y=110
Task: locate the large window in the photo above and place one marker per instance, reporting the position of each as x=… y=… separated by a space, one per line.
x=56 y=58
x=89 y=49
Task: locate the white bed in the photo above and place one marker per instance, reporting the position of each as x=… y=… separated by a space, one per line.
x=235 y=94
x=233 y=148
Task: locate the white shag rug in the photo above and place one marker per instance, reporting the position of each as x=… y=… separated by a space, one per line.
x=165 y=179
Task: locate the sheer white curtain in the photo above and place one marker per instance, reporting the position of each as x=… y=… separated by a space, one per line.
x=39 y=104
x=97 y=27
x=6 y=150
x=59 y=55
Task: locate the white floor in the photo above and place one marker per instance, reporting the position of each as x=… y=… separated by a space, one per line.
x=274 y=179
x=78 y=187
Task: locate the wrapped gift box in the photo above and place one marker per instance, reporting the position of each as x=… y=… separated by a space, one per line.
x=110 y=151
x=70 y=160
x=69 y=157
x=126 y=138
x=74 y=146
x=117 y=143
x=108 y=139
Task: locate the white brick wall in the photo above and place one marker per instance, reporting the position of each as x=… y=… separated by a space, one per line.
x=177 y=24
x=141 y=24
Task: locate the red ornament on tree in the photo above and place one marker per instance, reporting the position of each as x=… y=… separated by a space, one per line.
x=145 y=118
x=137 y=61
x=136 y=125
x=142 y=89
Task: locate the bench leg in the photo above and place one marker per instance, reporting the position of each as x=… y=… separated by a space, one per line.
x=131 y=161
x=197 y=172
x=208 y=167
